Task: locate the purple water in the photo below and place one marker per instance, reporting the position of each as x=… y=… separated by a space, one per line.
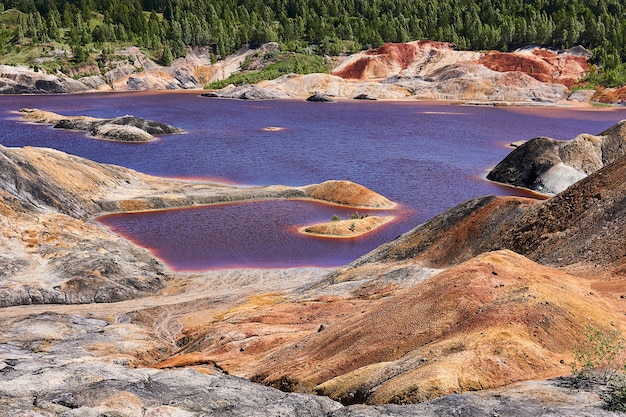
x=426 y=156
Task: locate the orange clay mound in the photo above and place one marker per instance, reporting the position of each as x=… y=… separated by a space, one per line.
x=494 y=320
x=346 y=228
x=543 y=65
x=347 y=193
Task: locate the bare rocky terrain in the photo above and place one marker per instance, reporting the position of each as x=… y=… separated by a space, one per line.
x=475 y=312
x=413 y=70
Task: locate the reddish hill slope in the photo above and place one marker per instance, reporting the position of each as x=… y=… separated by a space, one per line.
x=502 y=311
x=425 y=58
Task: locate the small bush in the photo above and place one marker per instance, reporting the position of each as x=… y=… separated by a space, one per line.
x=601 y=355
x=335 y=218
x=601 y=358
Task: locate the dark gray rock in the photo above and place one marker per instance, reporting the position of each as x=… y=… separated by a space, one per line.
x=185 y=77
x=74 y=124
x=123 y=129
x=150 y=126
x=550 y=166
x=364 y=97
x=319 y=98
x=8 y=86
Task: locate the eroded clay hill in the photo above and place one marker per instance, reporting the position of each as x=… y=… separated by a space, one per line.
x=494 y=291
x=425 y=58
x=491 y=321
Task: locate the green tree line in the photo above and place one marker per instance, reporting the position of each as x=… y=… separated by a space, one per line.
x=327 y=26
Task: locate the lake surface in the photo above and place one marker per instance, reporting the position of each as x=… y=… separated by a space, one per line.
x=426 y=156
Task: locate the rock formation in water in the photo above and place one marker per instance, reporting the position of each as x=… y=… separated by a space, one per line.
x=120 y=129
x=319 y=98
x=494 y=291
x=550 y=166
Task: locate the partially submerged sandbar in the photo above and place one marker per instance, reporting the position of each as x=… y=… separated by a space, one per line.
x=346 y=228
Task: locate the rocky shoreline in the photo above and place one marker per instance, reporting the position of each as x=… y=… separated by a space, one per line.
x=419 y=70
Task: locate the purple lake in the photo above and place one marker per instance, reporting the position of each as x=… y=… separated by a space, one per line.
x=426 y=156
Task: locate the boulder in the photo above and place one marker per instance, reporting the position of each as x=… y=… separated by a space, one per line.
x=581 y=96
x=549 y=166
x=150 y=126
x=320 y=98
x=120 y=133
x=363 y=96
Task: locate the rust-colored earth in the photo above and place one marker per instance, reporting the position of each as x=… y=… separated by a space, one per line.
x=424 y=58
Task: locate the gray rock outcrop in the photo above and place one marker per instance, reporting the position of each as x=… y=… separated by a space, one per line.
x=319 y=98
x=245 y=92
x=122 y=129
x=22 y=80
x=549 y=166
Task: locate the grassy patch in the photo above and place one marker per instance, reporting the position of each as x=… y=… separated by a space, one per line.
x=281 y=64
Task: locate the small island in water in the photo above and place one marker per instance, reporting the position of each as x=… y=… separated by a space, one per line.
x=354 y=227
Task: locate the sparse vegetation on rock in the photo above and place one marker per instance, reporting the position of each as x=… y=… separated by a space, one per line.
x=121 y=129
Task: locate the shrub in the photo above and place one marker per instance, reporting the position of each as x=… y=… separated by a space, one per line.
x=601 y=358
x=601 y=355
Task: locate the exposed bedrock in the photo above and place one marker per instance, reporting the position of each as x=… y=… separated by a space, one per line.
x=419 y=69
x=424 y=58
x=121 y=129
x=550 y=166
x=22 y=80
x=496 y=319
x=71 y=365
